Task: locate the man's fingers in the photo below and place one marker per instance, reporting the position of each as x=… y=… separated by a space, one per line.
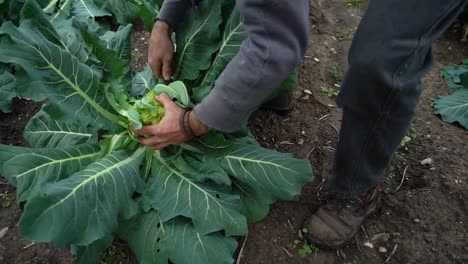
x=156 y=66
x=167 y=69
x=150 y=142
x=165 y=100
x=159 y=146
x=146 y=130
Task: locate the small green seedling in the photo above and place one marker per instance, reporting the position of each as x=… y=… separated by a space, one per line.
x=347 y=33
x=399 y=161
x=412 y=134
x=306 y=250
x=335 y=72
x=137 y=55
x=354 y=2
x=329 y=91
x=6 y=199
x=113 y=255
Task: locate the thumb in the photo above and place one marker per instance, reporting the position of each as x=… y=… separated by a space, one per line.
x=164 y=99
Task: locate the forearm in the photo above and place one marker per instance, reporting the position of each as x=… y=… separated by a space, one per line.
x=273 y=48
x=173 y=11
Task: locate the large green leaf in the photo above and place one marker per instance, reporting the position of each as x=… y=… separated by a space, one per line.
x=39 y=167
x=85 y=206
x=7 y=91
x=149 y=9
x=51 y=71
x=456 y=76
x=8 y=152
x=154 y=242
x=175 y=193
x=91 y=253
x=120 y=42
x=125 y=11
x=43 y=131
x=255 y=207
x=202 y=169
x=143 y=82
x=83 y=9
x=197 y=39
x=72 y=40
x=113 y=52
x=144 y=234
x=233 y=35
x=10 y=10
x=453 y=108
x=272 y=174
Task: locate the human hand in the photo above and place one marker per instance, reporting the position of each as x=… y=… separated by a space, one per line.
x=161 y=50
x=170 y=130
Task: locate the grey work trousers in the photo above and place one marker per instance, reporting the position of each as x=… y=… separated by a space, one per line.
x=390 y=53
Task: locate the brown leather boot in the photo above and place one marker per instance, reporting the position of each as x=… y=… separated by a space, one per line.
x=282 y=104
x=339 y=220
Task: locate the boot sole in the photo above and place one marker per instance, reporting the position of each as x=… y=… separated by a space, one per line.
x=334 y=244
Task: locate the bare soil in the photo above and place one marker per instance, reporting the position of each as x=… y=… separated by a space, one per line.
x=424 y=221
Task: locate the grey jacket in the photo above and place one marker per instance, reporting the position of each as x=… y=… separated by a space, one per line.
x=277 y=37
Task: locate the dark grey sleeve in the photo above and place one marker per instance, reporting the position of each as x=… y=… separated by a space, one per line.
x=173 y=11
x=277 y=38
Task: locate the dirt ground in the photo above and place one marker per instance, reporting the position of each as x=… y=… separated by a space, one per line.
x=424 y=221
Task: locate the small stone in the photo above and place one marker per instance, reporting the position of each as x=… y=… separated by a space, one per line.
x=306 y=91
x=427 y=161
x=142 y=38
x=301 y=141
x=333 y=51
x=417 y=220
x=337 y=85
x=316 y=60
x=369 y=245
x=303 y=132
x=382 y=249
x=3 y=232
x=456 y=181
x=432 y=169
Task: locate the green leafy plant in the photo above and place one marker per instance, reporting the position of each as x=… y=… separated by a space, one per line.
x=335 y=72
x=454 y=107
x=347 y=33
x=329 y=91
x=6 y=199
x=355 y=2
x=92 y=12
x=411 y=134
x=7 y=90
x=86 y=180
x=113 y=255
x=306 y=250
x=137 y=55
